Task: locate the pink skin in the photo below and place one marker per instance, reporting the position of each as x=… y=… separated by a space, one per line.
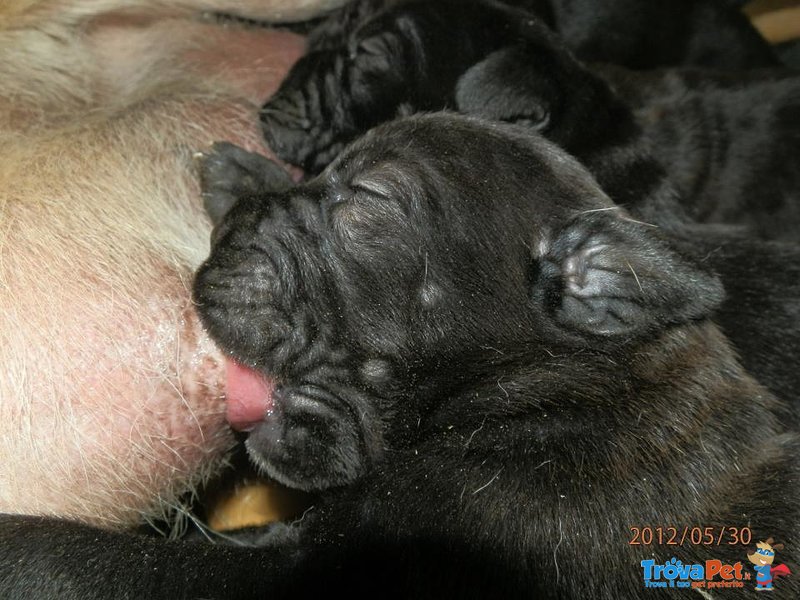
x=117 y=405
x=249 y=396
x=249 y=62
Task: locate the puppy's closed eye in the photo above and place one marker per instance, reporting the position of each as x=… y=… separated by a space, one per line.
x=361 y=213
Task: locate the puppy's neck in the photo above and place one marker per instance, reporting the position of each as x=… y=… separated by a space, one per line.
x=665 y=389
x=694 y=368
x=679 y=405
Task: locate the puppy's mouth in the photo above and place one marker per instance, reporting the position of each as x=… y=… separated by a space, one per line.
x=306 y=436
x=250 y=396
x=299 y=440
x=240 y=496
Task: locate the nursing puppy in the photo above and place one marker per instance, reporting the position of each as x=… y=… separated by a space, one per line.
x=628 y=32
x=491 y=380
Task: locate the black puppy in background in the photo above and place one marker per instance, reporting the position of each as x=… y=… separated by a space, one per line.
x=491 y=371
x=707 y=146
x=674 y=146
x=728 y=142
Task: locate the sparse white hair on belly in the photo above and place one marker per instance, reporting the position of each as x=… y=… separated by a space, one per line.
x=110 y=393
x=108 y=385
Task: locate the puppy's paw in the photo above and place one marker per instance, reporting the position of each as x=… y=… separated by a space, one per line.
x=229 y=173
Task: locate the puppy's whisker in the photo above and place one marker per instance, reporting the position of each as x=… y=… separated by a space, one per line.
x=555 y=551
x=500 y=352
x=300 y=519
x=469 y=441
x=508 y=396
x=209 y=534
x=636 y=277
x=645 y=223
x=490 y=482
x=597 y=210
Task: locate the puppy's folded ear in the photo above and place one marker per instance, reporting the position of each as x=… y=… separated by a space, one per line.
x=505 y=86
x=540 y=85
x=607 y=275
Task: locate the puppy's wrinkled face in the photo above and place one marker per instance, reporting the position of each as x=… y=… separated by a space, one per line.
x=367 y=293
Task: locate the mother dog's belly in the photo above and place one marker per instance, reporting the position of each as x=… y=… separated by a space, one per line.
x=111 y=395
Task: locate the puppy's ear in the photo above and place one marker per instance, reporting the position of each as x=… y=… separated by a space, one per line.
x=540 y=85
x=228 y=173
x=607 y=275
x=506 y=87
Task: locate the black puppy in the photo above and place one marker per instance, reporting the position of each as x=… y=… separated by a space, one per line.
x=492 y=378
x=691 y=145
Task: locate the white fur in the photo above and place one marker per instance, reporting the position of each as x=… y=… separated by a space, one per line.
x=110 y=394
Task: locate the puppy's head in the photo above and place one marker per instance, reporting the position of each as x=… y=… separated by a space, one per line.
x=428 y=244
